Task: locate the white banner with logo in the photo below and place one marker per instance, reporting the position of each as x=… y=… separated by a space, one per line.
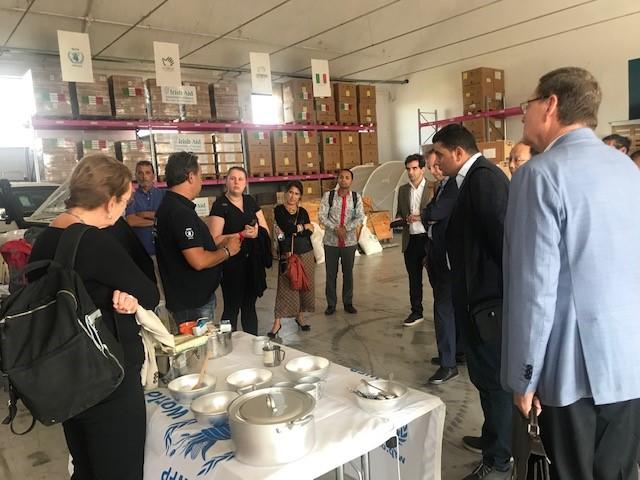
x=260 y=73
x=183 y=95
x=320 y=78
x=167 y=58
x=187 y=143
x=75 y=56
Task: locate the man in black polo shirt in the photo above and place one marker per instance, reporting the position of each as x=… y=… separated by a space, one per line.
x=188 y=259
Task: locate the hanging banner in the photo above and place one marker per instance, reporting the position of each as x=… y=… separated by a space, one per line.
x=167 y=58
x=188 y=143
x=75 y=56
x=260 y=73
x=183 y=95
x=320 y=78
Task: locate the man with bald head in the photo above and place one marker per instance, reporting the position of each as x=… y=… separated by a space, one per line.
x=520 y=154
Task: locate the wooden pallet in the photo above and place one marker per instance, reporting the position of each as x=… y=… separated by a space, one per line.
x=260 y=174
x=327 y=123
x=309 y=172
x=284 y=174
x=300 y=123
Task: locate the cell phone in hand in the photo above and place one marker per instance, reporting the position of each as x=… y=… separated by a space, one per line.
x=253 y=222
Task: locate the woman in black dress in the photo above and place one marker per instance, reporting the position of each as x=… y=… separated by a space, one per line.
x=292 y=222
x=107 y=440
x=235 y=213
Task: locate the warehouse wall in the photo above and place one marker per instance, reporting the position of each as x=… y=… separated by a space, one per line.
x=603 y=49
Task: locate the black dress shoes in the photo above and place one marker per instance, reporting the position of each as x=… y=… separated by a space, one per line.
x=443 y=375
x=330 y=310
x=350 y=308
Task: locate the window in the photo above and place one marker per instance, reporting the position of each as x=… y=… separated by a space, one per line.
x=265 y=109
x=17 y=103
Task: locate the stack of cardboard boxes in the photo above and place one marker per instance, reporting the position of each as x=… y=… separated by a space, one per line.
x=51 y=94
x=346 y=98
x=483 y=90
x=225 y=104
x=165 y=144
x=91 y=100
x=284 y=153
x=631 y=131
x=59 y=157
x=307 y=152
x=91 y=147
x=330 y=147
x=133 y=151
x=228 y=151
x=497 y=152
x=127 y=97
x=311 y=189
x=158 y=110
x=325 y=110
x=328 y=184
x=366 y=104
x=297 y=101
x=201 y=111
x=369 y=148
x=349 y=149
x=259 y=153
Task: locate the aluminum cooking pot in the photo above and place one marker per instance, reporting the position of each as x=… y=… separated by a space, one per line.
x=272 y=426
x=220 y=344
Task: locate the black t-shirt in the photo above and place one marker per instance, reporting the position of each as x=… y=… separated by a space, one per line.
x=236 y=219
x=179 y=228
x=122 y=232
x=288 y=223
x=105 y=266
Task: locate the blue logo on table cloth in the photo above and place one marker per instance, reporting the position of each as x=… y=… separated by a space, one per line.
x=197 y=444
x=402 y=435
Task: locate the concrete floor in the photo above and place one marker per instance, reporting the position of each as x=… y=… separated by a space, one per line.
x=374 y=340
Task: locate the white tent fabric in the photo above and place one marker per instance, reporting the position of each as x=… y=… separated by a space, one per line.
x=361 y=174
x=383 y=183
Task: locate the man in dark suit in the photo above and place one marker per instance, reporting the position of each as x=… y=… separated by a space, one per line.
x=412 y=198
x=435 y=217
x=474 y=252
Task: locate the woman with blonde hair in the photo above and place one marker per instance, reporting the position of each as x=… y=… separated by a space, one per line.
x=107 y=440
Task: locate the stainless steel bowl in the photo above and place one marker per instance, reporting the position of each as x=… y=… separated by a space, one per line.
x=181 y=389
x=211 y=410
x=308 y=366
x=249 y=379
x=381 y=405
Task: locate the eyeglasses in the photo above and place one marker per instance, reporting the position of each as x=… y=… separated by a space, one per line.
x=524 y=106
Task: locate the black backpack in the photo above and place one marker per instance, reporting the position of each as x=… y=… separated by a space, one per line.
x=55 y=351
x=332 y=195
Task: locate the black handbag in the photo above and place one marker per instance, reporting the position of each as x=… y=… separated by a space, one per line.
x=486 y=318
x=530 y=459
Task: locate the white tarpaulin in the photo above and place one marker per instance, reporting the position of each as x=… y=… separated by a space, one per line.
x=167 y=58
x=178 y=446
x=75 y=56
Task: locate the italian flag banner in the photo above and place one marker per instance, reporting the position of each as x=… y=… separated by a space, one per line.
x=320 y=78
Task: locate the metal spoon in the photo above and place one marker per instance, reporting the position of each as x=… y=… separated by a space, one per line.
x=387 y=395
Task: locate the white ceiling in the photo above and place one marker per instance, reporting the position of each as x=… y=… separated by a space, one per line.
x=363 y=39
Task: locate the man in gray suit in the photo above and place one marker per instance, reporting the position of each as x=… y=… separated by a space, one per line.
x=571 y=328
x=412 y=198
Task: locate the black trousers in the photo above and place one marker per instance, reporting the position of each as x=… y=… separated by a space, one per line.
x=414 y=262
x=107 y=440
x=444 y=318
x=346 y=256
x=237 y=296
x=592 y=442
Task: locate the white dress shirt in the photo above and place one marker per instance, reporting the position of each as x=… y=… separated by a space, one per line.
x=416 y=228
x=465 y=168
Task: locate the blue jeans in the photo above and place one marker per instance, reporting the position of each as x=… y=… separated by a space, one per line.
x=207 y=310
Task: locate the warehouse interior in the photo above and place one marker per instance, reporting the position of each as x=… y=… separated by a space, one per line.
x=410 y=52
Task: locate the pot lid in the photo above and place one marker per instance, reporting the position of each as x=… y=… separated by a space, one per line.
x=275 y=405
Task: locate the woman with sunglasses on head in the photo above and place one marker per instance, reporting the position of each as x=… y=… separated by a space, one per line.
x=293 y=228
x=243 y=276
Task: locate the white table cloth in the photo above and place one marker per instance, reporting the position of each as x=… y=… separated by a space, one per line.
x=178 y=448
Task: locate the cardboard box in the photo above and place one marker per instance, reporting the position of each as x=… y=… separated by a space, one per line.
x=346 y=111
x=350 y=157
x=483 y=89
x=59 y=158
x=331 y=160
x=230 y=157
x=631 y=131
x=370 y=155
x=91 y=100
x=223 y=168
x=366 y=92
x=308 y=160
x=345 y=91
x=90 y=147
x=368 y=138
x=325 y=110
x=203 y=158
x=201 y=111
x=379 y=224
x=51 y=94
x=486 y=129
x=258 y=138
x=127 y=97
x=483 y=75
x=208 y=169
x=367 y=112
x=328 y=184
x=312 y=206
x=260 y=161
x=283 y=138
x=349 y=140
x=157 y=108
x=330 y=141
x=311 y=189
x=285 y=161
x=307 y=138
x=228 y=147
x=296 y=90
x=224 y=100
x=496 y=152
x=227 y=137
x=299 y=111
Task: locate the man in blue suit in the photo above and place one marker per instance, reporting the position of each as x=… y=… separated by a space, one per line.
x=571 y=328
